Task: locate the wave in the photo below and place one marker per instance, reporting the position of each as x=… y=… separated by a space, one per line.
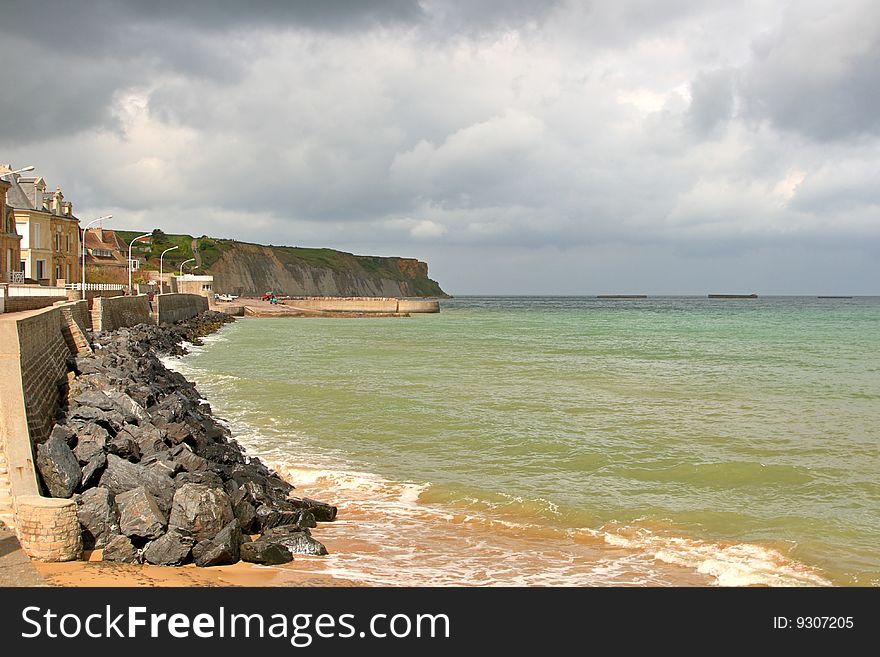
x=412 y=533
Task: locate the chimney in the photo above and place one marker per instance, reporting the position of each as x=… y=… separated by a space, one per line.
x=57 y=198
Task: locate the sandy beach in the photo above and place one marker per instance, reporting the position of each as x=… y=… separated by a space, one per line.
x=94 y=572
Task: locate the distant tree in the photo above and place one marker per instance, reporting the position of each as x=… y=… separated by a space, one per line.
x=159 y=237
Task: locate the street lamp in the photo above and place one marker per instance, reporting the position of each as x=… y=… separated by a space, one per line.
x=160 y=266
x=22 y=170
x=140 y=237
x=183 y=263
x=93 y=221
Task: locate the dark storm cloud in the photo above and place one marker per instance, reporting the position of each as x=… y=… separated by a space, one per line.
x=549 y=130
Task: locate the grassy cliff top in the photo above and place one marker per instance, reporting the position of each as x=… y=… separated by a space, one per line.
x=212 y=249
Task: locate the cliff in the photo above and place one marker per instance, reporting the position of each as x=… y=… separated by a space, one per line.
x=254 y=269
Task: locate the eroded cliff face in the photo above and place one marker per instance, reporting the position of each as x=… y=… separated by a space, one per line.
x=252 y=269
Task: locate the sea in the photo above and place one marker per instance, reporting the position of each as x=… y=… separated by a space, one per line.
x=572 y=441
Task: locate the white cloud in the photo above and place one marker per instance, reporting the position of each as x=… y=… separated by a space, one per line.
x=415 y=129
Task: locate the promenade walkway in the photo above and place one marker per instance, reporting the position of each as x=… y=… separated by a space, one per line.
x=15 y=568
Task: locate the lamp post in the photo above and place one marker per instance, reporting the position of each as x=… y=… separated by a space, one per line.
x=183 y=263
x=93 y=221
x=22 y=170
x=140 y=237
x=160 y=266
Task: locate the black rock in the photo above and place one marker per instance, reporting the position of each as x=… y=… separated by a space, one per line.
x=306 y=519
x=188 y=460
x=268 y=517
x=96 y=399
x=178 y=433
x=164 y=466
x=124 y=445
x=121 y=550
x=221 y=550
x=200 y=511
x=322 y=512
x=298 y=541
x=58 y=467
x=171 y=549
x=88 y=413
x=139 y=515
x=91 y=440
x=64 y=433
x=113 y=420
x=91 y=472
x=245 y=514
x=134 y=413
x=120 y=476
x=148 y=437
x=265 y=552
x=88 y=365
x=204 y=478
x=96 y=511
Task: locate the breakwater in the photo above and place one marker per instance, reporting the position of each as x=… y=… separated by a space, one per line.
x=364 y=304
x=125 y=456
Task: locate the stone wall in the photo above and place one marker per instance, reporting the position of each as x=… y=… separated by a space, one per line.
x=48 y=528
x=172 y=308
x=33 y=357
x=19 y=304
x=75 y=324
x=43 y=355
x=109 y=314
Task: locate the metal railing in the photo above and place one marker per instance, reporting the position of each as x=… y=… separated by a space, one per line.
x=95 y=287
x=15 y=276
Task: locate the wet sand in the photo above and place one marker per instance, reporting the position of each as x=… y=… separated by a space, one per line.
x=94 y=572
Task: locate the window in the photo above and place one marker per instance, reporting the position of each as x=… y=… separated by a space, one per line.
x=57 y=272
x=68 y=242
x=57 y=242
x=67 y=278
x=41 y=268
x=22 y=229
x=37 y=237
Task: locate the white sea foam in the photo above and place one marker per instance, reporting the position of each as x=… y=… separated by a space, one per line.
x=737 y=564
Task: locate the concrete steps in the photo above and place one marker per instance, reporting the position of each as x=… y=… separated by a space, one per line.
x=6 y=512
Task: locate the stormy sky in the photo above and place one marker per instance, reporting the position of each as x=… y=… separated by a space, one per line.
x=571 y=147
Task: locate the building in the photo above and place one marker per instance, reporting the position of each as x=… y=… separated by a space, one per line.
x=104 y=248
x=10 y=240
x=192 y=284
x=65 y=240
x=48 y=228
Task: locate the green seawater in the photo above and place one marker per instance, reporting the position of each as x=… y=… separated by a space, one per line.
x=727 y=422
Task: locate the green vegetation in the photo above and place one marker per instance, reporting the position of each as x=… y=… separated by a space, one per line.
x=212 y=249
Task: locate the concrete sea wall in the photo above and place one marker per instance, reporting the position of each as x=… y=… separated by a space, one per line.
x=111 y=313
x=172 y=308
x=364 y=304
